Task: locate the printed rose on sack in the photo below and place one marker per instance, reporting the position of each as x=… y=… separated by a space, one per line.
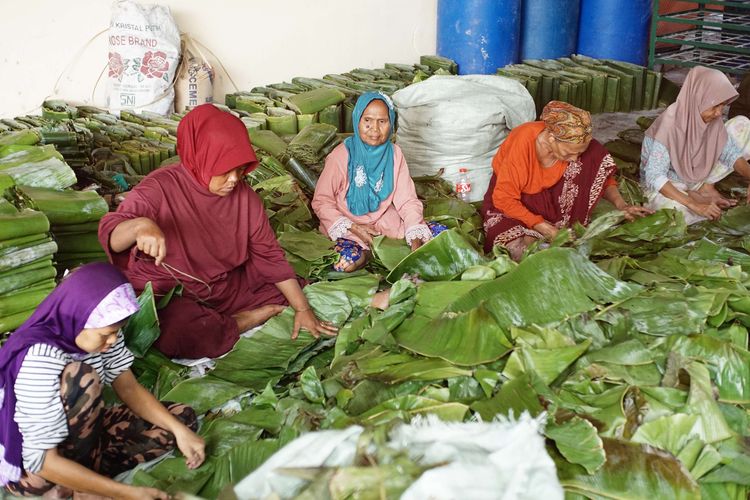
x=155 y=64
x=116 y=66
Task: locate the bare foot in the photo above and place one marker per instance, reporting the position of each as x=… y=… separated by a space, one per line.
x=58 y=492
x=711 y=195
x=381 y=300
x=88 y=496
x=355 y=265
x=517 y=247
x=250 y=319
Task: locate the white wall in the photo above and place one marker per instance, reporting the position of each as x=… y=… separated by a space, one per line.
x=259 y=42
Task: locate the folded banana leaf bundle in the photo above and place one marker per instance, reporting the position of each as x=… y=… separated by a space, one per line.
x=597 y=85
x=308 y=144
x=37 y=166
x=26 y=272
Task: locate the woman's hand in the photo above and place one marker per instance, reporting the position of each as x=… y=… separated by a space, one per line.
x=364 y=232
x=632 y=212
x=710 y=211
x=140 y=493
x=150 y=240
x=547 y=230
x=191 y=445
x=306 y=320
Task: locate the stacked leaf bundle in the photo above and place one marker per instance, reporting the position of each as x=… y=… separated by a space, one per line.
x=597 y=85
x=286 y=108
x=74 y=217
x=29 y=164
x=26 y=272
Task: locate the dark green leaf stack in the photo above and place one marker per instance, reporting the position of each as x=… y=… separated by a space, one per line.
x=27 y=275
x=597 y=85
x=74 y=218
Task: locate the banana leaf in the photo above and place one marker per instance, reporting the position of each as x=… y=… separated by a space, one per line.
x=409 y=406
x=728 y=364
x=13 y=321
x=444 y=257
x=204 y=393
x=78 y=243
x=578 y=441
x=547 y=363
x=27 y=275
x=307 y=145
x=632 y=471
x=310 y=253
x=173 y=476
x=142 y=328
x=650 y=234
x=67 y=207
x=27 y=255
x=22 y=223
x=389 y=251
x=23 y=300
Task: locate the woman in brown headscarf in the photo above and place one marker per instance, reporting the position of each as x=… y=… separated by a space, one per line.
x=687 y=149
x=548 y=175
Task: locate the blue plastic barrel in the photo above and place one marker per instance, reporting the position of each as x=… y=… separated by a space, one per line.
x=549 y=28
x=480 y=35
x=615 y=29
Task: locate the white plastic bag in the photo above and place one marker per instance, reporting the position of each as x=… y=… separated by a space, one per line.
x=501 y=460
x=454 y=122
x=144 y=49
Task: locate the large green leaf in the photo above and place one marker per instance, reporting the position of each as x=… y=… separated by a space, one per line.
x=409 y=406
x=204 y=393
x=578 y=441
x=547 y=363
x=442 y=258
x=729 y=365
x=142 y=329
x=632 y=471
x=309 y=252
x=389 y=251
x=568 y=282
x=466 y=338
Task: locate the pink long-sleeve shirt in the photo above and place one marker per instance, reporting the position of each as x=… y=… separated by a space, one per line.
x=398 y=216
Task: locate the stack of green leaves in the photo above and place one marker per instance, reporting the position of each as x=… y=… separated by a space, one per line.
x=38 y=166
x=74 y=218
x=597 y=85
x=26 y=272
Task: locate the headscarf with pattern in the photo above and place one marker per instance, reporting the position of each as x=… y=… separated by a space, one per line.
x=567 y=123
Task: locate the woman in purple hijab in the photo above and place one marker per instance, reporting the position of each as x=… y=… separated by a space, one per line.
x=54 y=428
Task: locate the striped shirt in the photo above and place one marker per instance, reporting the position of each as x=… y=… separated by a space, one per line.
x=39 y=409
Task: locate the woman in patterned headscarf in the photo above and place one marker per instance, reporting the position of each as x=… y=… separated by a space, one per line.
x=547 y=175
x=688 y=148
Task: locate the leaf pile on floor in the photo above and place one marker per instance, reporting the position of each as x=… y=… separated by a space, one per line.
x=632 y=338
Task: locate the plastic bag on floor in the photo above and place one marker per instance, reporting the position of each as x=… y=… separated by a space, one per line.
x=454 y=122
x=503 y=459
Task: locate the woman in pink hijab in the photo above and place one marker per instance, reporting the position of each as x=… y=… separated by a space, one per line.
x=687 y=149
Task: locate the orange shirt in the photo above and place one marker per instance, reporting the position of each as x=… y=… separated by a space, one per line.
x=518 y=171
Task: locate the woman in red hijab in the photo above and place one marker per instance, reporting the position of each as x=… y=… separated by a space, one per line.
x=196 y=223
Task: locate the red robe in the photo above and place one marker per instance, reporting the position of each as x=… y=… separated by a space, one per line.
x=225 y=242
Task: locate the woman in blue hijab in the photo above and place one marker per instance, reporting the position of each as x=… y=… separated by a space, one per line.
x=365 y=189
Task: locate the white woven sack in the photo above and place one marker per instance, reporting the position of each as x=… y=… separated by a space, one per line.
x=144 y=49
x=454 y=122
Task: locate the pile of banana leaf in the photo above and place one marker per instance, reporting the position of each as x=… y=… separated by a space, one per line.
x=630 y=339
x=598 y=85
x=74 y=219
x=26 y=272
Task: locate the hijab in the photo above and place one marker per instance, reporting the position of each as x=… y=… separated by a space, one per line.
x=370 y=168
x=57 y=322
x=567 y=123
x=212 y=142
x=694 y=146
